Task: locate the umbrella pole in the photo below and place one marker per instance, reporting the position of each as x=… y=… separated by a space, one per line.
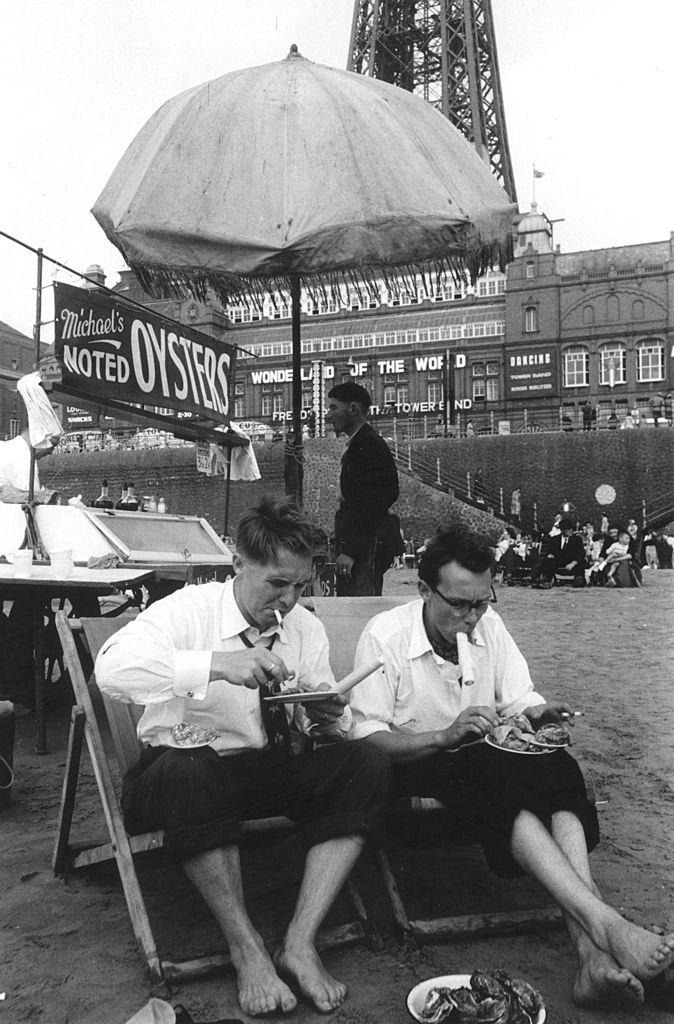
x=228 y=484
x=295 y=453
x=36 y=336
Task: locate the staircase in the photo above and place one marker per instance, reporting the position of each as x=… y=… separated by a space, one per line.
x=659 y=511
x=465 y=487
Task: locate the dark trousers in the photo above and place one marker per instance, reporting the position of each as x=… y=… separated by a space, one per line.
x=485 y=789
x=200 y=799
x=367 y=572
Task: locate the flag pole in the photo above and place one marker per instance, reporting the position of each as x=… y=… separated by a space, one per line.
x=533 y=184
x=37 y=338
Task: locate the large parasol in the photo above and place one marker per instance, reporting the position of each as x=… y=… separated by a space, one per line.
x=294 y=175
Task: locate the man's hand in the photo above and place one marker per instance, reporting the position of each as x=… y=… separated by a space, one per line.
x=323 y=714
x=570 y=566
x=343 y=566
x=472 y=724
x=252 y=667
x=543 y=714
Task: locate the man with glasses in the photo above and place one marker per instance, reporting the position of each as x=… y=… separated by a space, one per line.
x=531 y=814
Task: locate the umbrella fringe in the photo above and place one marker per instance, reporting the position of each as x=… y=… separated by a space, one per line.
x=477 y=257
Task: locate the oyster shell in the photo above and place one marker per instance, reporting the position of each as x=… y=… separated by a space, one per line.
x=486 y=985
x=438 y=1006
x=555 y=735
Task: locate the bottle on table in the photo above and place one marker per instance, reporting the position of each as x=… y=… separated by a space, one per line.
x=131 y=502
x=161 y=506
x=104 y=500
x=122 y=500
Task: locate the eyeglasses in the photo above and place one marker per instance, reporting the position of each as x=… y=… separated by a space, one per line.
x=465 y=607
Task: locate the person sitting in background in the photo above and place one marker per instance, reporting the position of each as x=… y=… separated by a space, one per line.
x=617 y=568
x=635 y=542
x=564 y=554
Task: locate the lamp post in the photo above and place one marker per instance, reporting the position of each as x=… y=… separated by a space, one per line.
x=448 y=392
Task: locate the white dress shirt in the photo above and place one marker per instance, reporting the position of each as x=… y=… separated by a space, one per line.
x=162 y=660
x=15 y=464
x=417 y=691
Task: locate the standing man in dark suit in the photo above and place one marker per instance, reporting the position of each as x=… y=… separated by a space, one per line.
x=367 y=537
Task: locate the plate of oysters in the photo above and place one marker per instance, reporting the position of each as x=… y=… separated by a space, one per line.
x=495 y=998
x=516 y=735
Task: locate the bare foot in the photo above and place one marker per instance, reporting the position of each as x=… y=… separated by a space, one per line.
x=304 y=964
x=600 y=980
x=643 y=953
x=260 y=988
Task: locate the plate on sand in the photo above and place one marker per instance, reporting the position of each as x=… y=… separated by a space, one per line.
x=416 y=1000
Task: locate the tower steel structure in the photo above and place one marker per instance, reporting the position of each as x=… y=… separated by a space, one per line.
x=445 y=51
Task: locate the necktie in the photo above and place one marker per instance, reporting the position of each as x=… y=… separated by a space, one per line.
x=274 y=718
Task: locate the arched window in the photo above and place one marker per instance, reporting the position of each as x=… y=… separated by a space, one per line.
x=576 y=367
x=588 y=314
x=530 y=319
x=638 y=309
x=612 y=364
x=650 y=361
x=531 y=268
x=612 y=309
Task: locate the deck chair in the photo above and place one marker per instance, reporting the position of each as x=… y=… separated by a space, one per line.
x=344 y=619
x=81 y=640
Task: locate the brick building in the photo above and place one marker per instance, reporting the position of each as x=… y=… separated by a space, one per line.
x=529 y=348
x=17 y=357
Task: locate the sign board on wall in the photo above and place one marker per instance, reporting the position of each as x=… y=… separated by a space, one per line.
x=115 y=351
x=531 y=372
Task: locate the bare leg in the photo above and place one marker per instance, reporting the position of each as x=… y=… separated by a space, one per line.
x=600 y=979
x=327 y=868
x=217 y=876
x=641 y=952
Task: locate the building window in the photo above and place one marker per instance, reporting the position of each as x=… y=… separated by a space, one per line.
x=265 y=408
x=650 y=362
x=434 y=392
x=239 y=408
x=588 y=315
x=403 y=393
x=530 y=268
x=492 y=390
x=238 y=389
x=389 y=394
x=492 y=369
x=612 y=365
x=576 y=367
x=479 y=389
x=278 y=404
x=307 y=400
x=478 y=369
x=637 y=309
x=530 y=319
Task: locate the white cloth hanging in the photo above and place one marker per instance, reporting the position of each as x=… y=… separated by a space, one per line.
x=43 y=424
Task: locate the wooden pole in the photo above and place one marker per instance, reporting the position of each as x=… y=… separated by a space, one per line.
x=296 y=453
x=36 y=335
x=228 y=483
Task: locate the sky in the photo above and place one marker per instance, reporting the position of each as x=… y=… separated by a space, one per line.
x=587 y=87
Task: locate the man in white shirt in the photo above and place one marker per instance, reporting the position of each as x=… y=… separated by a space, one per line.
x=15 y=470
x=531 y=814
x=200 y=661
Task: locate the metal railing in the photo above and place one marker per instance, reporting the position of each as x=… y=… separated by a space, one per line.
x=468 y=487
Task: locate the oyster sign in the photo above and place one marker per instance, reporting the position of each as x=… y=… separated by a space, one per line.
x=114 y=351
